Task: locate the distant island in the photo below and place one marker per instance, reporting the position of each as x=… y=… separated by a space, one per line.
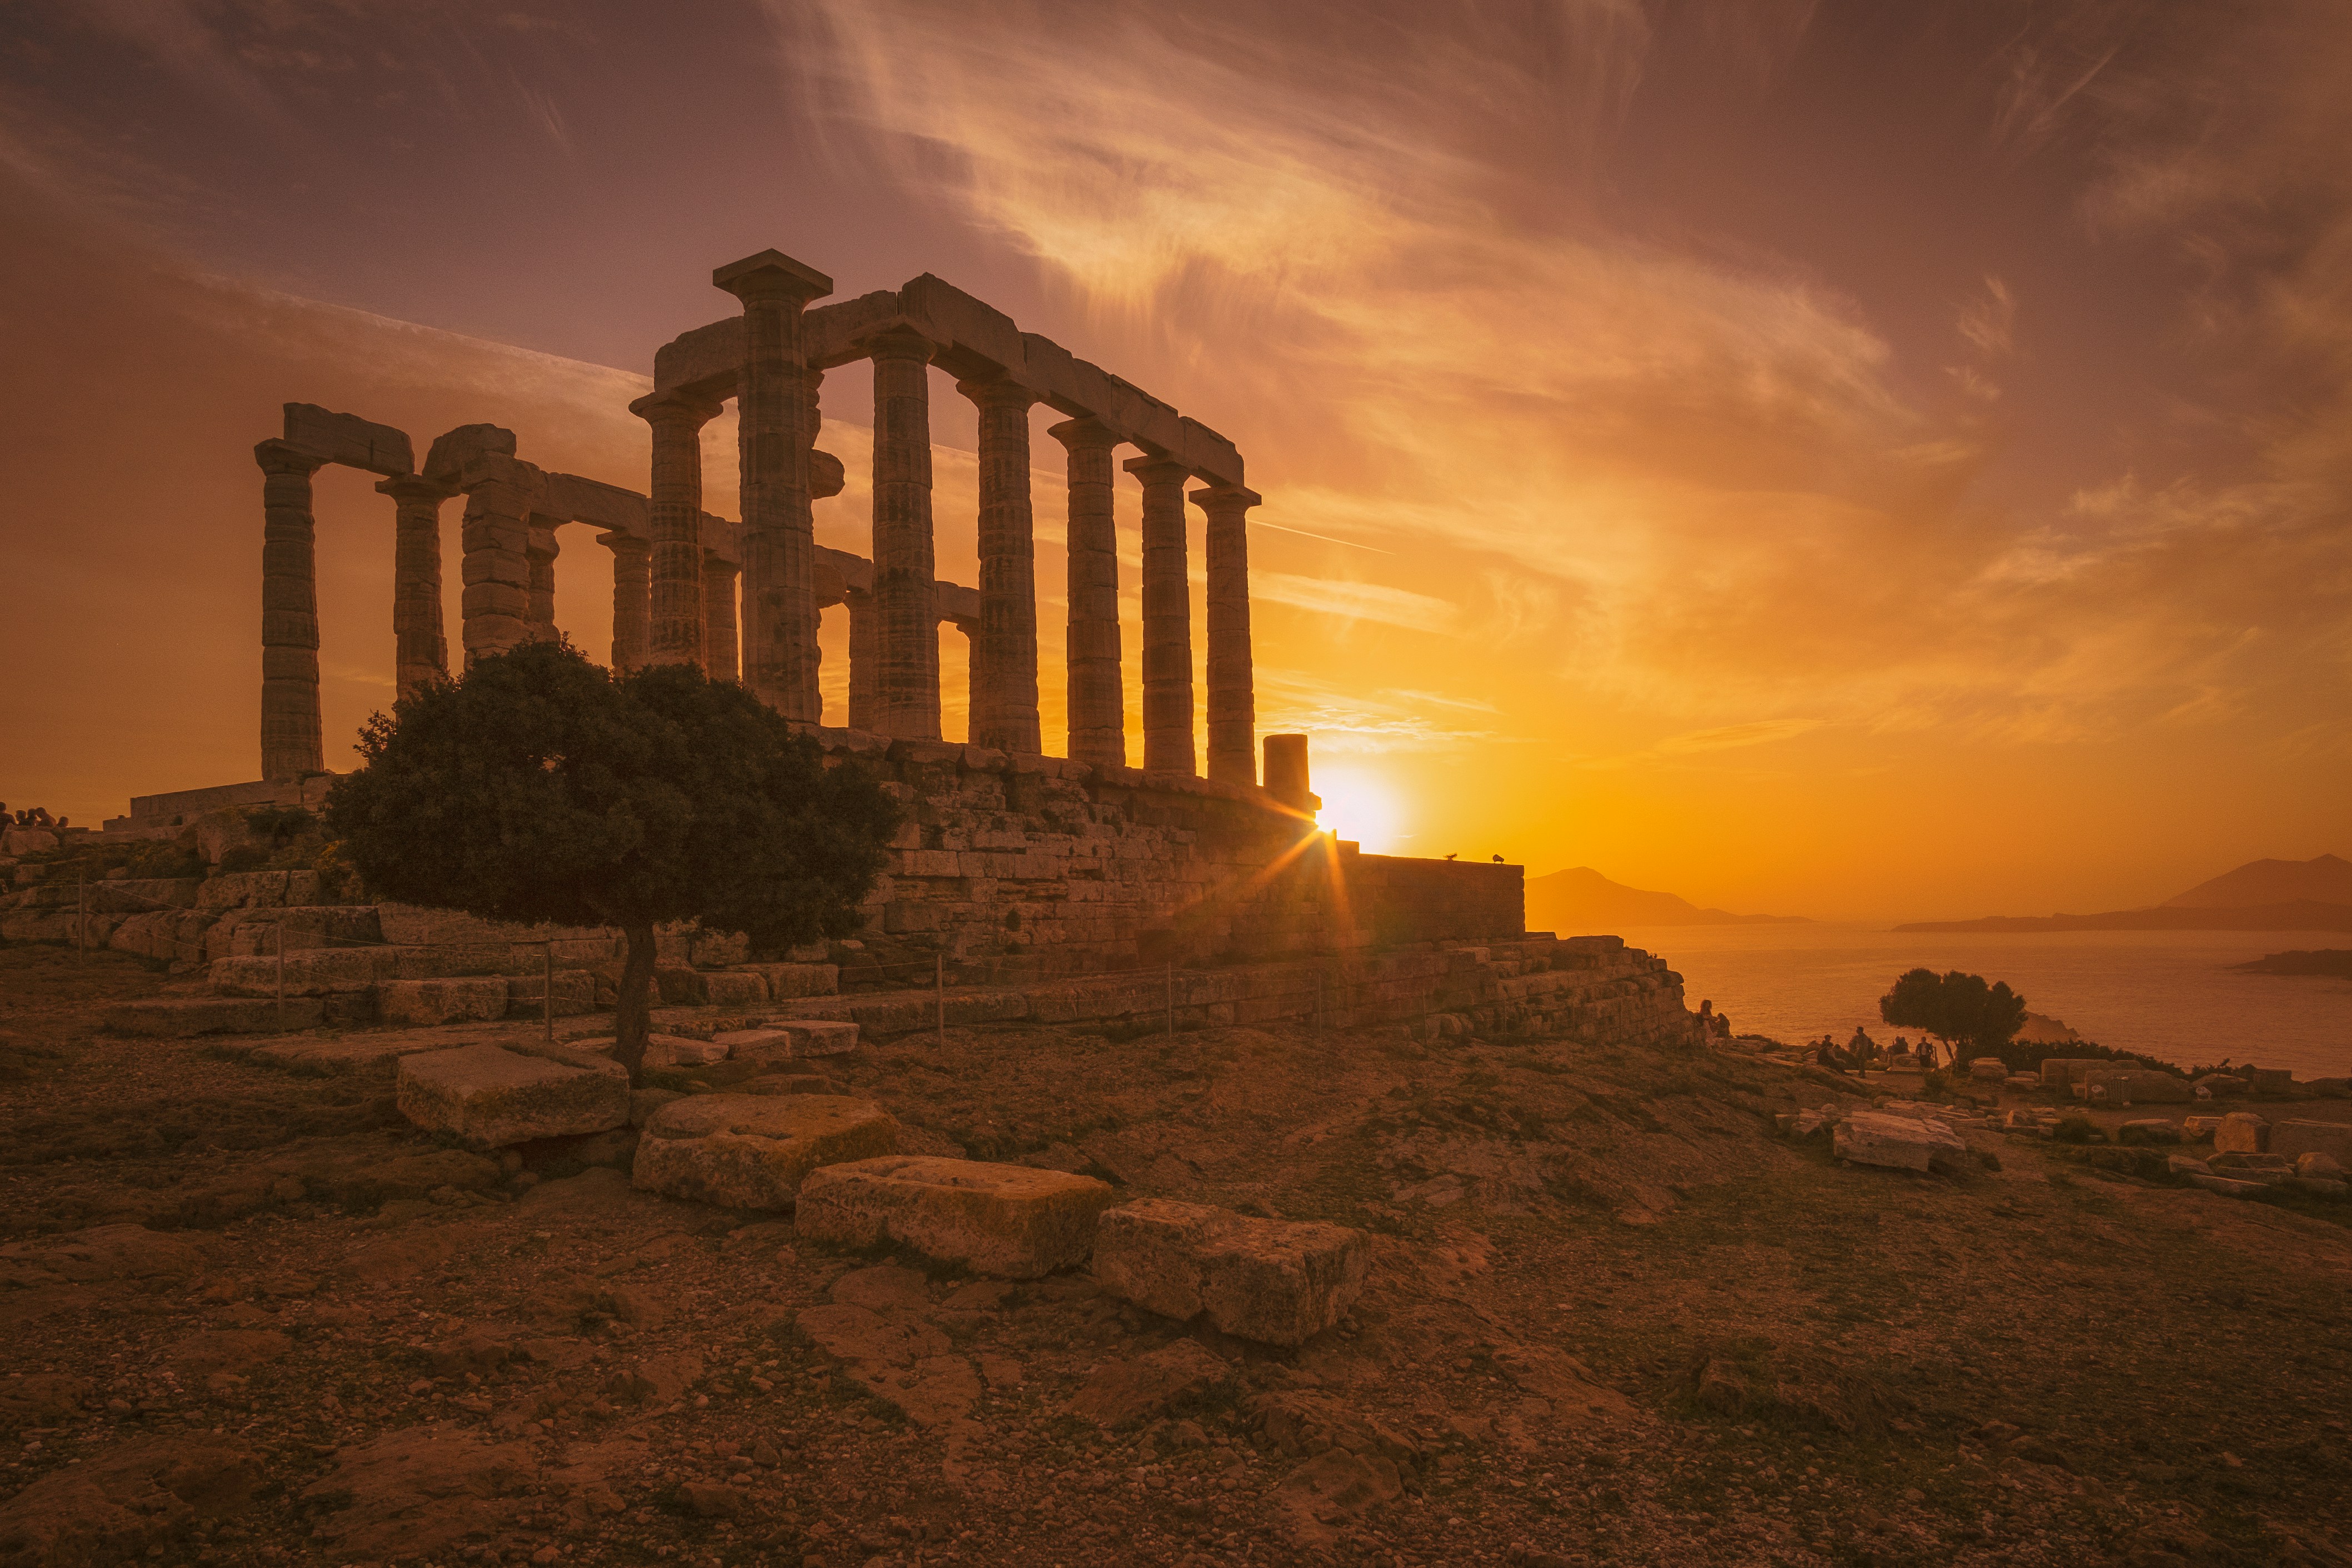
x=1582 y=900
x=2262 y=895
x=2335 y=961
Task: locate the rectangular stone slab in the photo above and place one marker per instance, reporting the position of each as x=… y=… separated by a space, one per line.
x=1006 y=1220
x=490 y=1095
x=753 y=1152
x=1276 y=1281
x=790 y=1039
x=1900 y=1142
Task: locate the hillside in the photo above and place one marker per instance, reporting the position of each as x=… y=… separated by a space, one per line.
x=2324 y=879
x=1582 y=900
x=2261 y=895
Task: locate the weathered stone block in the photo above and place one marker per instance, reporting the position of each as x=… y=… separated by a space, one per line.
x=753 y=1152
x=662 y=1051
x=425 y=1002
x=575 y=993
x=1008 y=1220
x=790 y=1039
x=2241 y=1131
x=2295 y=1139
x=1900 y=1142
x=2060 y=1072
x=787 y=981
x=491 y=1096
x=310 y=972
x=1276 y=1281
x=1988 y=1069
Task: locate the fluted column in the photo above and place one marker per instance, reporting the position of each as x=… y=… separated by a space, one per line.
x=776 y=399
x=1005 y=653
x=864 y=657
x=420 y=652
x=632 y=598
x=542 y=549
x=907 y=674
x=289 y=613
x=1096 y=702
x=497 y=567
x=1167 y=618
x=719 y=643
x=675 y=636
x=1233 y=699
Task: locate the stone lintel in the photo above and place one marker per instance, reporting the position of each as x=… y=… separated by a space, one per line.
x=453 y=454
x=349 y=440
x=771 y=273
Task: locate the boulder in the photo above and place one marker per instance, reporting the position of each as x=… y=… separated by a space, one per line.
x=2317 y=1165
x=1276 y=1281
x=2241 y=1131
x=790 y=1039
x=425 y=1002
x=2293 y=1138
x=2221 y=1085
x=1008 y=1220
x=490 y=1096
x=1900 y=1142
x=753 y=1152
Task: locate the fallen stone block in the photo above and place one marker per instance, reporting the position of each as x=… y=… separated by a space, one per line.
x=2241 y=1131
x=753 y=1152
x=178 y=1017
x=2292 y=1139
x=575 y=993
x=2021 y=1082
x=2149 y=1129
x=2134 y=1086
x=1276 y=1281
x=1008 y=1220
x=490 y=1096
x=663 y=1050
x=787 y=981
x=791 y=1039
x=2060 y=1072
x=1900 y=1142
x=423 y=1003
x=1990 y=1070
x=2318 y=1164
x=2199 y=1127
x=2221 y=1085
x=308 y=971
x=2226 y=1186
x=2187 y=1165
x=2238 y=1163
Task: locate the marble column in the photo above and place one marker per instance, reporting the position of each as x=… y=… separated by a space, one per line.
x=632 y=598
x=420 y=650
x=1167 y=618
x=1232 y=701
x=720 y=642
x=1096 y=702
x=1005 y=653
x=865 y=656
x=907 y=673
x=497 y=567
x=775 y=400
x=675 y=635
x=289 y=613
x=542 y=549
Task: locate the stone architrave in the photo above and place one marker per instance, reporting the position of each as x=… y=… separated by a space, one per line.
x=719 y=646
x=1167 y=618
x=631 y=597
x=289 y=613
x=420 y=650
x=497 y=567
x=775 y=407
x=864 y=659
x=1233 y=702
x=1004 y=657
x=541 y=549
x=907 y=678
x=1097 y=701
x=675 y=636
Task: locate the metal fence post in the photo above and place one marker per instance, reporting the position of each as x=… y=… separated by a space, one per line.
x=940 y=991
x=547 y=989
x=1171 y=998
x=280 y=929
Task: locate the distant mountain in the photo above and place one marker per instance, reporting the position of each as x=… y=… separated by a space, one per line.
x=2325 y=879
x=2262 y=895
x=2335 y=961
x=1584 y=901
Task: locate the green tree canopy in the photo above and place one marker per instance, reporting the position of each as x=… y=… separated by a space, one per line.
x=540 y=787
x=1956 y=1007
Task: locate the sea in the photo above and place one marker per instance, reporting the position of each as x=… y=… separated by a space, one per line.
x=2169 y=995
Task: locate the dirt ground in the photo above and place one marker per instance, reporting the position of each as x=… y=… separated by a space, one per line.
x=253 y=1317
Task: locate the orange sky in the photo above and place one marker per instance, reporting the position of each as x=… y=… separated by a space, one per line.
x=1812 y=458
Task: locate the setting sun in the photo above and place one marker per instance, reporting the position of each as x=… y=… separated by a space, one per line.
x=1359 y=806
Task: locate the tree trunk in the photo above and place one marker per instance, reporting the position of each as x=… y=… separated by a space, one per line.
x=632 y=1011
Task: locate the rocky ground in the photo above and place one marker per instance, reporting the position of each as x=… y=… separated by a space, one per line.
x=253 y=1317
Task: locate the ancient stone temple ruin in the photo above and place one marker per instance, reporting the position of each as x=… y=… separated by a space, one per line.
x=1014 y=862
